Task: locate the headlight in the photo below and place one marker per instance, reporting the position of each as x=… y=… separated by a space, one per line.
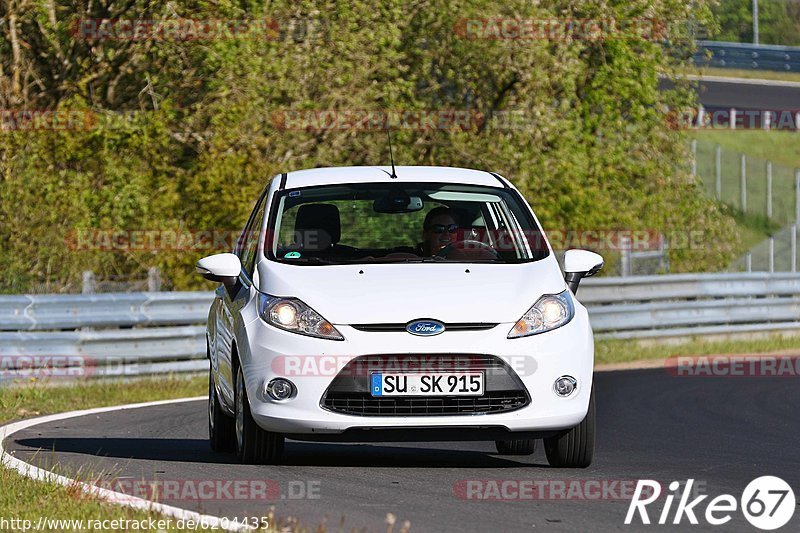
x=551 y=311
x=293 y=315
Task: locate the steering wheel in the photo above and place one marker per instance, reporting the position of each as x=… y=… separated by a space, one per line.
x=468 y=247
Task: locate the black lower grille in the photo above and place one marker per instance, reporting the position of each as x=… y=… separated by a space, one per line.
x=349 y=392
x=353 y=403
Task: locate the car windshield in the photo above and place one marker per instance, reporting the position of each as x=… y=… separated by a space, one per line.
x=396 y=223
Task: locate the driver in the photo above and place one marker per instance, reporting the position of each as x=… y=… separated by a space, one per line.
x=439 y=229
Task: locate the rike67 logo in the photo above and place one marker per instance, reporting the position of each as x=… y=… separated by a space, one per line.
x=767 y=502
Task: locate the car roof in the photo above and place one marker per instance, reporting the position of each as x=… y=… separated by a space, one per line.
x=405 y=174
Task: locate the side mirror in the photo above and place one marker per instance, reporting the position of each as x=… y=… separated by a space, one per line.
x=221 y=268
x=579 y=264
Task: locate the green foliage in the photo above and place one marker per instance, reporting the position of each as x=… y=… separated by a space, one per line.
x=591 y=149
x=778 y=21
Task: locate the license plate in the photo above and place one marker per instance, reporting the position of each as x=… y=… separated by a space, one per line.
x=427 y=384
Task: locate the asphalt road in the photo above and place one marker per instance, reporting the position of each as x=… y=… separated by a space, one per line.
x=746 y=94
x=723 y=432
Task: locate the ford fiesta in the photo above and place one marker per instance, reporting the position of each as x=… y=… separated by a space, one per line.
x=416 y=304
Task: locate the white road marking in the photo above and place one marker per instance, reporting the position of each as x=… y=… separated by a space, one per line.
x=741 y=81
x=118 y=498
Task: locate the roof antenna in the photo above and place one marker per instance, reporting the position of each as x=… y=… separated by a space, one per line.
x=391 y=155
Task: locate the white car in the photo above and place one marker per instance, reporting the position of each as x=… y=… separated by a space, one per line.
x=416 y=304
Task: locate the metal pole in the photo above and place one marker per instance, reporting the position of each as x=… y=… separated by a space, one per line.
x=718 y=170
x=153 y=279
x=87 y=282
x=694 y=158
x=748 y=261
x=732 y=122
x=794 y=247
x=744 y=182
x=755 y=21
x=625 y=256
x=797 y=196
x=772 y=254
x=769 y=190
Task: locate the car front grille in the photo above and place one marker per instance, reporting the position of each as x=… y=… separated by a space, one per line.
x=349 y=392
x=364 y=404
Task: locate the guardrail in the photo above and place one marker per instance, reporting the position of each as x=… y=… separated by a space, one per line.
x=748 y=56
x=146 y=333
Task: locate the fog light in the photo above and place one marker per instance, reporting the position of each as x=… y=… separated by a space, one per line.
x=565 y=385
x=280 y=389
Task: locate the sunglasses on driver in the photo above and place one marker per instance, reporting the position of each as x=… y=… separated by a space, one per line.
x=441 y=228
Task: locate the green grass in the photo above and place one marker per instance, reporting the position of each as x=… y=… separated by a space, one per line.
x=33 y=398
x=25 y=499
x=780 y=147
x=623 y=351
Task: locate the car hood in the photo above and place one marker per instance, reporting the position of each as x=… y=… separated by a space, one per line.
x=399 y=293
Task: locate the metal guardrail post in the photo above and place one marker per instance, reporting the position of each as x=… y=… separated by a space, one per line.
x=87 y=282
x=769 y=190
x=153 y=279
x=744 y=182
x=771 y=253
x=748 y=262
x=797 y=196
x=694 y=158
x=794 y=247
x=625 y=256
x=718 y=171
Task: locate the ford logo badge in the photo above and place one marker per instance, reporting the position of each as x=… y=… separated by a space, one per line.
x=425 y=328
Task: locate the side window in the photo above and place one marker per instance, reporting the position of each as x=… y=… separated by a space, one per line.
x=247 y=245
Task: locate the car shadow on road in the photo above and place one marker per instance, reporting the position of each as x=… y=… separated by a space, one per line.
x=437 y=455
x=173 y=450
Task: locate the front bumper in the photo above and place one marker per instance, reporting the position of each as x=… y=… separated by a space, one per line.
x=312 y=364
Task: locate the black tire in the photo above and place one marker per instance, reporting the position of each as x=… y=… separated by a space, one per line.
x=516 y=446
x=253 y=444
x=221 y=427
x=573 y=448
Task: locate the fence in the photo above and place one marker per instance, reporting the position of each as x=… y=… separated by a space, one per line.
x=748 y=56
x=765 y=191
x=750 y=185
x=149 y=333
